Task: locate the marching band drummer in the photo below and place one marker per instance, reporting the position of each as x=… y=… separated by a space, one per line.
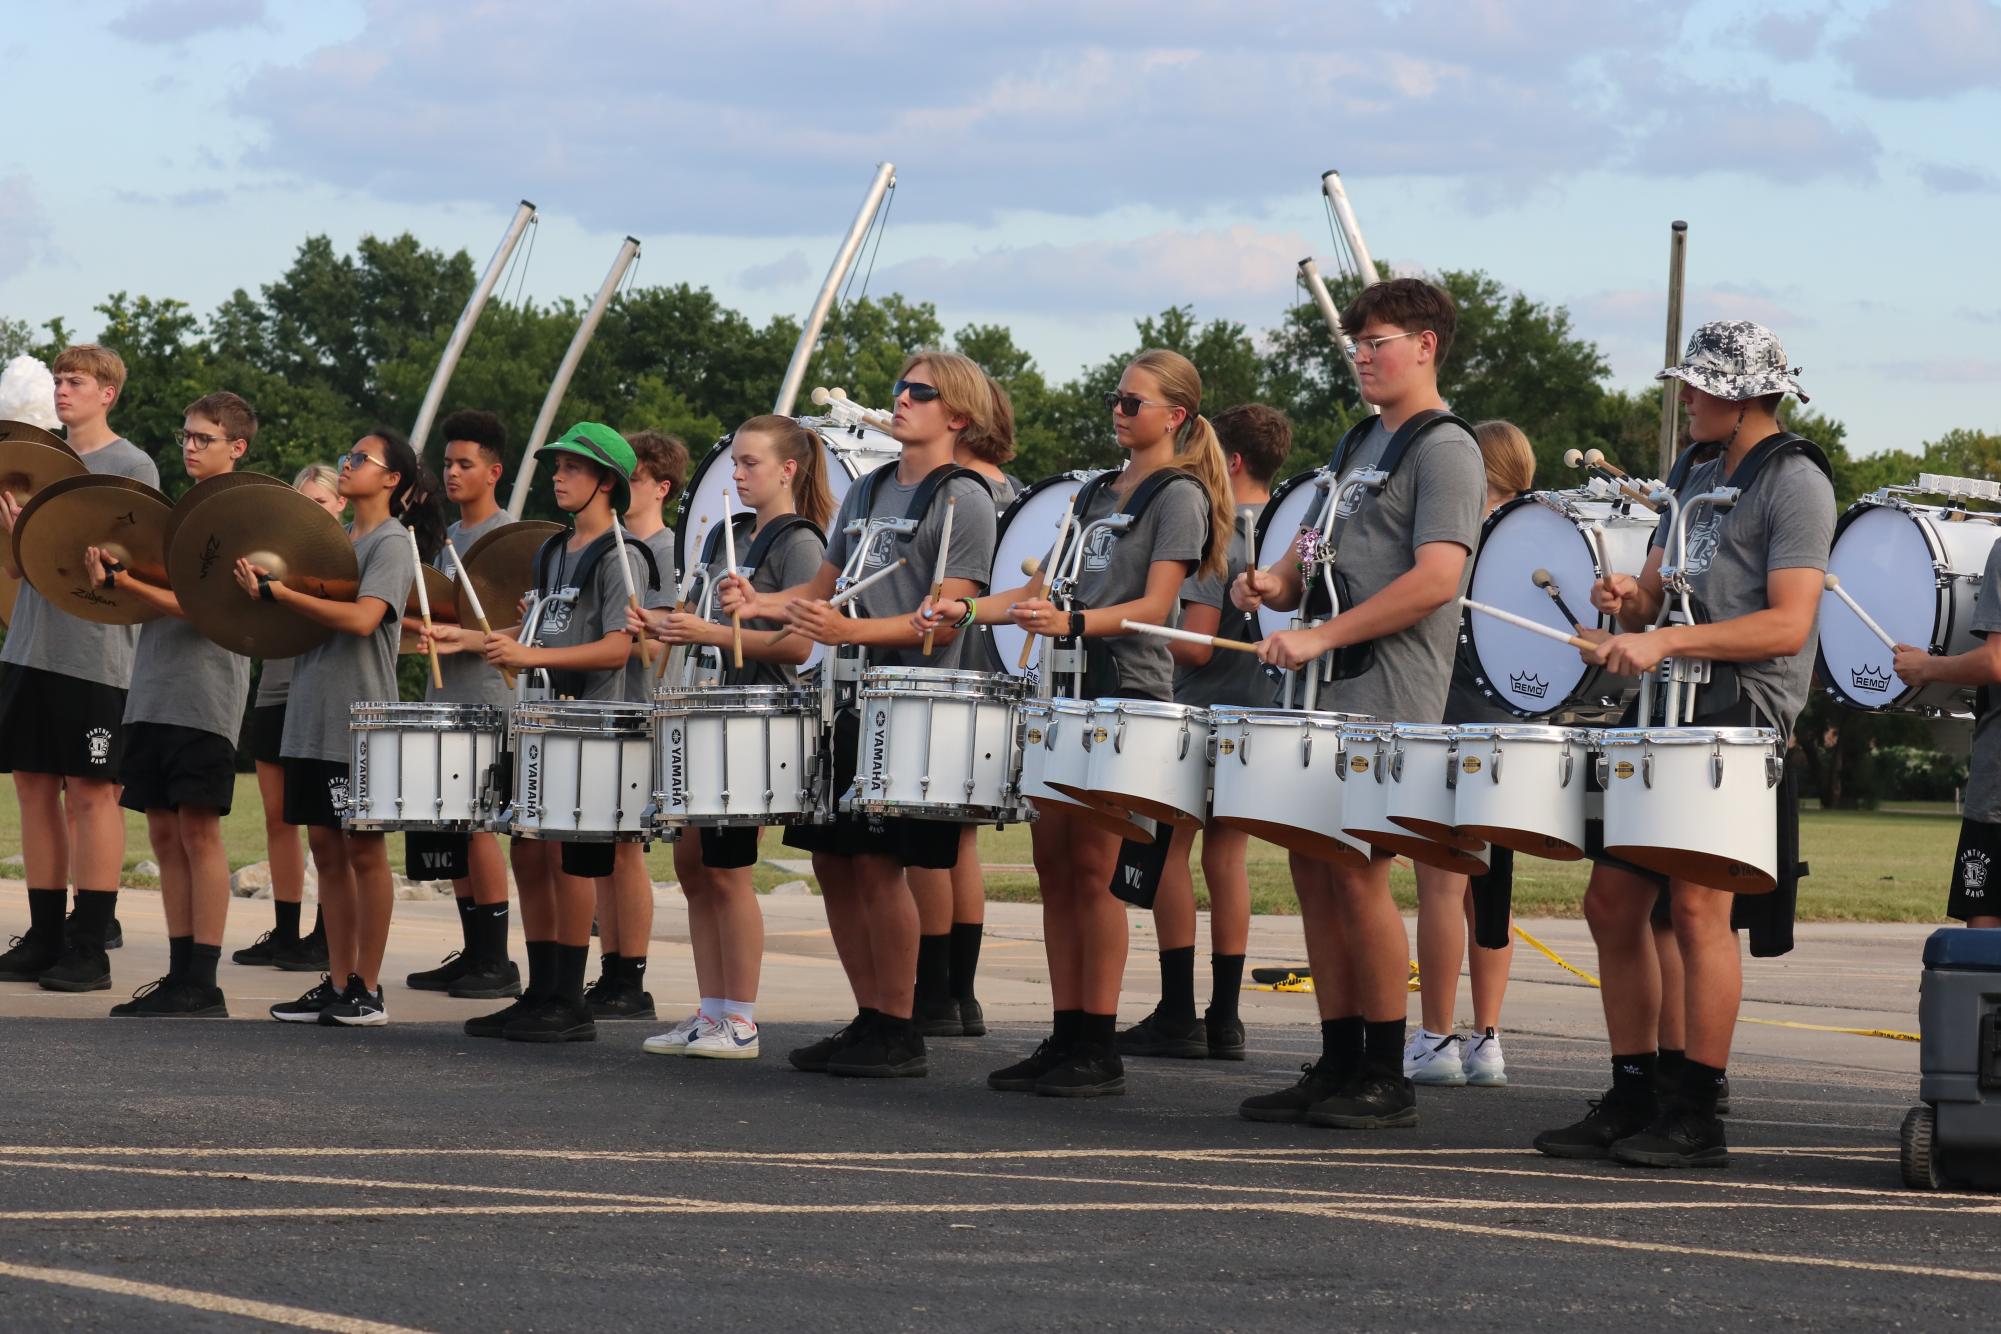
x=1757 y=568
x=1134 y=575
x=389 y=488
x=780 y=477
x=858 y=859
x=1404 y=554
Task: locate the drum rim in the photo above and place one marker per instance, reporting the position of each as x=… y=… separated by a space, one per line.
x=1268 y=716
x=1523 y=732
x=1944 y=615
x=374 y=712
x=1685 y=736
x=1151 y=708
x=1425 y=731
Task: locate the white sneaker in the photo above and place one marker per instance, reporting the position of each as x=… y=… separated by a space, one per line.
x=734 y=1039
x=674 y=1042
x=1436 y=1060
x=1485 y=1067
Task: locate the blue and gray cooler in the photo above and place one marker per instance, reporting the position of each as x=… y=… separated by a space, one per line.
x=1955 y=1137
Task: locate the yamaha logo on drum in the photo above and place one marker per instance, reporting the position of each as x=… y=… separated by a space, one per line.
x=1870 y=679
x=531 y=776
x=1471 y=764
x=1528 y=683
x=677 y=769
x=1623 y=769
x=878 y=750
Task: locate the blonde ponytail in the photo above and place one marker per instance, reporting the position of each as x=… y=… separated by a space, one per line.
x=1196 y=450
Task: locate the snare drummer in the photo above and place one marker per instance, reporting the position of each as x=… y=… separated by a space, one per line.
x=1134 y=575
x=1757 y=569
x=1255 y=440
x=860 y=860
x=779 y=471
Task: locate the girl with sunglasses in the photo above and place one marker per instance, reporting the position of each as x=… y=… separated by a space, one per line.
x=1135 y=575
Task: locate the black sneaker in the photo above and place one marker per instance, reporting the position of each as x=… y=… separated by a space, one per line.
x=1291 y=1104
x=82 y=968
x=263 y=954
x=30 y=957
x=358 y=1007
x=1086 y=1071
x=939 y=1019
x=1156 y=1036
x=552 y=1020
x=306 y=1009
x=1610 y=1120
x=616 y=1001
x=114 y=933
x=488 y=979
x=308 y=954
x=1678 y=1137
x=169 y=999
x=493 y=1025
x=972 y=1019
x=813 y=1057
x=1226 y=1038
x=1375 y=1099
x=886 y=1051
x=455 y=966
x=1022 y=1076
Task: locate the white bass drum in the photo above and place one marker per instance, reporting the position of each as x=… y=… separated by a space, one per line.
x=1027 y=531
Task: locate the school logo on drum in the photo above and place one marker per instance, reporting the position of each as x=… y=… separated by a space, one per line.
x=98 y=739
x=1870 y=679
x=1529 y=684
x=1973 y=868
x=1098 y=551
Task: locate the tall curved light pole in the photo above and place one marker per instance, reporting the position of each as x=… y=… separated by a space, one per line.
x=454 y=346
x=844 y=260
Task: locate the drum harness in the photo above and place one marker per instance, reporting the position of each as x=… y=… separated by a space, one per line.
x=703 y=664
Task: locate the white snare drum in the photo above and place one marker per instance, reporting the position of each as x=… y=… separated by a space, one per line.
x=1418 y=767
x=1277 y=776
x=736 y=755
x=1052 y=745
x=1148 y=758
x=937 y=744
x=1521 y=786
x=582 y=770
x=1916 y=569
x=1696 y=803
x=422 y=766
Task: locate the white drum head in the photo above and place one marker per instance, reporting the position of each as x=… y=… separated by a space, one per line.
x=1027 y=531
x=1278 y=525
x=1884 y=562
x=1525 y=671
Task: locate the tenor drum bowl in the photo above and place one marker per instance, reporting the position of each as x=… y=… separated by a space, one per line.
x=937 y=744
x=1277 y=776
x=582 y=771
x=1696 y=803
x=1521 y=786
x=422 y=766
x=1057 y=778
x=1419 y=765
x=1148 y=758
x=736 y=755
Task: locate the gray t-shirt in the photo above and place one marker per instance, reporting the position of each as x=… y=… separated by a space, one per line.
x=1436 y=495
x=1983 y=772
x=468 y=677
x=972 y=556
x=182 y=677
x=1228 y=677
x=274 y=682
x=1115 y=568
x=330 y=678
x=585 y=614
x=794 y=557
x=638 y=681
x=51 y=640
x=1785 y=523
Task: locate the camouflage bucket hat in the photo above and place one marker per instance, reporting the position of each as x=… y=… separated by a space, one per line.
x=1736 y=360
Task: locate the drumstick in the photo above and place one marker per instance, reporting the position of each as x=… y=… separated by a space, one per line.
x=631 y=593
x=1036 y=583
x=852 y=591
x=1621 y=480
x=729 y=555
x=1834 y=586
x=1575 y=641
x=688 y=582
x=472 y=600
x=1187 y=636
x=1547 y=583
x=938 y=577
x=424 y=608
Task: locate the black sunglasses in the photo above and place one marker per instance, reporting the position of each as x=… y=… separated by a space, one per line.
x=919 y=391
x=1130 y=404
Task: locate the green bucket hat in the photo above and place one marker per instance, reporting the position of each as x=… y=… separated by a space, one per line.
x=606 y=448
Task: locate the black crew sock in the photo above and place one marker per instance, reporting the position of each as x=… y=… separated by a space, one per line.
x=895 y=1026
x=1382 y=1044
x=865 y=1018
x=94 y=910
x=1700 y=1087
x=46 y=908
x=1177 y=986
x=1341 y=1045
x=285 y=931
x=1633 y=1076
x=541 y=971
x=1226 y=973
x=1668 y=1069
x=492 y=919
x=202 y=960
x=178 y=953
x=319 y=925
x=572 y=962
x=466 y=928
x=934 y=971
x=1069 y=1027
x=632 y=971
x=608 y=968
x=1097 y=1030
x=966 y=937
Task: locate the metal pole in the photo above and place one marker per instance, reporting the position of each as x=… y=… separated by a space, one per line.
x=1324 y=299
x=844 y=260
x=1344 y=213
x=1670 y=401
x=523 y=215
x=545 y=419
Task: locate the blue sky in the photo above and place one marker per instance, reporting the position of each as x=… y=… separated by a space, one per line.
x=1063 y=168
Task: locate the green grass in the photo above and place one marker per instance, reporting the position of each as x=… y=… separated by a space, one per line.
x=1868 y=866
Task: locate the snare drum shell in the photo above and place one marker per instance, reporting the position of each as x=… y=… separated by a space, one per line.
x=1365 y=804
x=937 y=745
x=1058 y=777
x=735 y=755
x=1148 y=758
x=582 y=771
x=422 y=766
x=1698 y=804
x=1522 y=786
x=1277 y=776
x=1423 y=770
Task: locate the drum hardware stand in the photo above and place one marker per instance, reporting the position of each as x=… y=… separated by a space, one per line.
x=1682 y=676
x=841 y=686
x=1064 y=654
x=1301 y=687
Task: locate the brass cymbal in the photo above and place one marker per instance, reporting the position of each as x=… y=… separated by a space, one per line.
x=202 y=490
x=35 y=435
x=124 y=517
x=276 y=527
x=444 y=607
x=501 y=566
x=26 y=467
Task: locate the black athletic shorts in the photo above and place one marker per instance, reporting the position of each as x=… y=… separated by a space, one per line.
x=315 y=792
x=167 y=766
x=729 y=849
x=267 y=729
x=55 y=724
x=1974 y=892
x=930 y=844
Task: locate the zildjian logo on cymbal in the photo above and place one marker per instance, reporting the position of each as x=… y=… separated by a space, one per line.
x=210 y=550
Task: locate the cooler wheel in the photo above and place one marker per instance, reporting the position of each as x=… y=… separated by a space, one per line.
x=1919 y=1156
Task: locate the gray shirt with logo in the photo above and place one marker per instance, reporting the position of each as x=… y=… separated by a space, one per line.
x=794 y=558
x=46 y=638
x=332 y=677
x=181 y=677
x=974 y=524
x=584 y=614
x=1115 y=569
x=1785 y=523
x=1983 y=772
x=1228 y=677
x=468 y=678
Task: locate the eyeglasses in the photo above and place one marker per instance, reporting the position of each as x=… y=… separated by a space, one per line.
x=354 y=458
x=1130 y=404
x=919 y=391
x=1375 y=345
x=198 y=441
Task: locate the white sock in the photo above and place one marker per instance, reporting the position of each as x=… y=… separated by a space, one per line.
x=712 y=1008
x=744 y=1010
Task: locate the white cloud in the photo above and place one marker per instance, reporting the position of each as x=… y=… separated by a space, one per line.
x=1927 y=48
x=787 y=270
x=1951 y=179
x=164 y=22
x=27 y=233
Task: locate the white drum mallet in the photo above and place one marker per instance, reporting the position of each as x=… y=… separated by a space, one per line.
x=424 y=609
x=1186 y=636
x=1037 y=584
x=729 y=556
x=631 y=591
x=853 y=591
x=1536 y=627
x=938 y=575
x=472 y=601
x=1833 y=585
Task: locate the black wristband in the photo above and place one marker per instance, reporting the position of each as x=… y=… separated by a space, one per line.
x=264 y=587
x=1076 y=625
x=112 y=569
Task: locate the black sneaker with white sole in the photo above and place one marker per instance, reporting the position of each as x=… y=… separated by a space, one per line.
x=488 y=979
x=1611 y=1119
x=358 y=1007
x=1157 y=1035
x=440 y=978
x=1678 y=1137
x=1375 y=1099
x=1291 y=1104
x=306 y=1009
x=552 y=1020
x=169 y=998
